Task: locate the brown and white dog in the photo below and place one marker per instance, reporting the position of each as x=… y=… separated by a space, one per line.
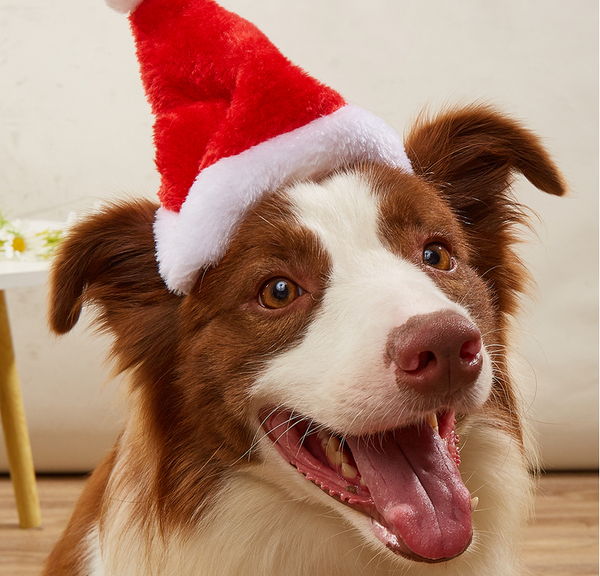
x=334 y=397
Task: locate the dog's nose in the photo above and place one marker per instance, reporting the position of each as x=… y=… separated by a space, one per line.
x=437 y=353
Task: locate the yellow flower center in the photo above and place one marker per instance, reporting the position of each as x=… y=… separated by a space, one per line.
x=19 y=245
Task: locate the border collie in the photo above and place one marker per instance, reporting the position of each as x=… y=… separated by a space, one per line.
x=334 y=397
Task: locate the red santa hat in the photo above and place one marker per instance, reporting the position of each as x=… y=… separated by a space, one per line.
x=234 y=120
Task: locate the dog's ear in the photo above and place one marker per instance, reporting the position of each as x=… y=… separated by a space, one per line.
x=108 y=260
x=471 y=155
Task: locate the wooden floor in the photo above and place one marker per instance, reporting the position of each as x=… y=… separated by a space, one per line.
x=562 y=542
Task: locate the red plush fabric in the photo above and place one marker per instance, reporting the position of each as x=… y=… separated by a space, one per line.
x=217 y=87
x=182 y=136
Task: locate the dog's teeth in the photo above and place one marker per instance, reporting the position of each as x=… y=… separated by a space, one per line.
x=323 y=436
x=349 y=471
x=474 y=503
x=333 y=446
x=433 y=422
x=335 y=455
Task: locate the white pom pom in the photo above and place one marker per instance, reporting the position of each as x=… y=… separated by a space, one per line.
x=124 y=6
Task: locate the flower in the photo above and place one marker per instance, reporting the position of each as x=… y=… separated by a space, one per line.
x=28 y=240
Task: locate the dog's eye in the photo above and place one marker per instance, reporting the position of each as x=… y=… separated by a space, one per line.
x=437 y=256
x=279 y=292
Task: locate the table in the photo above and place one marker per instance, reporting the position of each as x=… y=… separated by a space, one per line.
x=14 y=273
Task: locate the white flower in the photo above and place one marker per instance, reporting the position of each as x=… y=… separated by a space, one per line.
x=26 y=240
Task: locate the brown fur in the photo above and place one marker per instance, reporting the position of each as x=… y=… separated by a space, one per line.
x=190 y=357
x=193 y=358
x=66 y=556
x=471 y=156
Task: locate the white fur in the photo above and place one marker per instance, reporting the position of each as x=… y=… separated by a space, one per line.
x=93 y=560
x=265 y=525
x=338 y=371
x=199 y=233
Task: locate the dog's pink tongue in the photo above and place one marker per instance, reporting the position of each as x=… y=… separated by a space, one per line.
x=417 y=490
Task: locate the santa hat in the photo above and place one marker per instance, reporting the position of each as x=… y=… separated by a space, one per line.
x=234 y=120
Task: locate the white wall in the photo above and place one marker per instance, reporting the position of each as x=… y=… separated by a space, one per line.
x=75 y=128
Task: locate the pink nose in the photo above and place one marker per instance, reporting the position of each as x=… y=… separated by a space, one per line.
x=436 y=353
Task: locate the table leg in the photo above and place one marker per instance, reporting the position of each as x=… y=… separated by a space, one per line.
x=12 y=412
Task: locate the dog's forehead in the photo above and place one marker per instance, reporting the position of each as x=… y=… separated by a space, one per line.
x=342 y=212
x=352 y=224
x=359 y=211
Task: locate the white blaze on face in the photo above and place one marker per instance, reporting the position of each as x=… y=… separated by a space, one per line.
x=338 y=373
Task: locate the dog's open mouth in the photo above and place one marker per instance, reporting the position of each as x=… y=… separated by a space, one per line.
x=407 y=480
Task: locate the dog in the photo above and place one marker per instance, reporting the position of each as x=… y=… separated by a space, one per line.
x=334 y=396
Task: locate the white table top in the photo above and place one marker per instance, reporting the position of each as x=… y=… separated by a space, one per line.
x=14 y=273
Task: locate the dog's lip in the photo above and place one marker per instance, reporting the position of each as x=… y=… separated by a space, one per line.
x=306 y=446
x=320 y=455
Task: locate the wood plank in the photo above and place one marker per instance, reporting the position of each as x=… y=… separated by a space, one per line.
x=22 y=552
x=564 y=539
x=562 y=542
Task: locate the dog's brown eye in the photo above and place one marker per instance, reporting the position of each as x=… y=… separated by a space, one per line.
x=279 y=292
x=437 y=256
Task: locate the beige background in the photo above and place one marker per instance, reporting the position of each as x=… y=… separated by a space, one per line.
x=75 y=128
